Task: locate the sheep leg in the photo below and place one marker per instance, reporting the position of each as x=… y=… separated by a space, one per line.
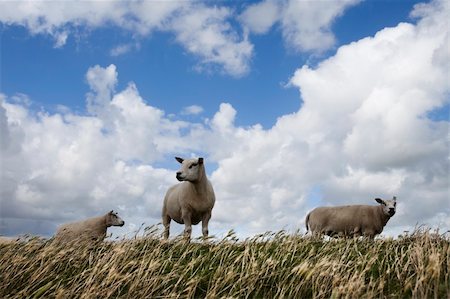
x=357 y=231
x=187 y=224
x=370 y=234
x=166 y=223
x=205 y=221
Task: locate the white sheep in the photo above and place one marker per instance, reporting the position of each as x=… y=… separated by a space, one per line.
x=190 y=201
x=353 y=220
x=88 y=229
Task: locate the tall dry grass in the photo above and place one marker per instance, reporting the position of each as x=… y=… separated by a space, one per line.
x=267 y=266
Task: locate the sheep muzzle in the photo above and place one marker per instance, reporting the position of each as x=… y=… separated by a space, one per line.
x=180 y=177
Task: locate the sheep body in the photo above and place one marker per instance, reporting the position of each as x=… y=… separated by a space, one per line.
x=190 y=201
x=89 y=229
x=351 y=220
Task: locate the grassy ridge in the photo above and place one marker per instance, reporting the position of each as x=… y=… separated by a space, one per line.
x=269 y=266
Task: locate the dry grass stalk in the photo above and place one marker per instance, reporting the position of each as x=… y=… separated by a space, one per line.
x=267 y=266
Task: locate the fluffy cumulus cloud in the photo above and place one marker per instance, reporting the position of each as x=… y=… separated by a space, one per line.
x=204 y=31
x=64 y=166
x=362 y=132
x=57 y=167
x=305 y=25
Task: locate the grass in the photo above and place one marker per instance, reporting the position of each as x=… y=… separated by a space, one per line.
x=274 y=265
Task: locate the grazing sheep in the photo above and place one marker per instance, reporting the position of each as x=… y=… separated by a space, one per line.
x=89 y=229
x=191 y=201
x=355 y=220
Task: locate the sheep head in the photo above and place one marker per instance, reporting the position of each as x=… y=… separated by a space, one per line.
x=389 y=206
x=191 y=169
x=113 y=219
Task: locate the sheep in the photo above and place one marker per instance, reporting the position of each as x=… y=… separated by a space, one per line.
x=353 y=220
x=89 y=229
x=190 y=201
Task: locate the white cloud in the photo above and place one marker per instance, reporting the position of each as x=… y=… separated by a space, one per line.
x=56 y=18
x=192 y=110
x=305 y=25
x=60 y=39
x=57 y=167
x=260 y=17
x=362 y=132
x=122 y=49
x=204 y=31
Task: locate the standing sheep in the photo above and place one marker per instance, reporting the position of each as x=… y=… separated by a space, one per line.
x=89 y=229
x=354 y=220
x=191 y=201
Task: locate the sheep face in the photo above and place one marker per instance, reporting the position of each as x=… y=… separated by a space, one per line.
x=190 y=169
x=389 y=205
x=112 y=219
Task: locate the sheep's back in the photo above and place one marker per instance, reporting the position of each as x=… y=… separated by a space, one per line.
x=89 y=229
x=340 y=218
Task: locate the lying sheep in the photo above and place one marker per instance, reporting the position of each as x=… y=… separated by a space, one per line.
x=355 y=220
x=89 y=229
x=191 y=201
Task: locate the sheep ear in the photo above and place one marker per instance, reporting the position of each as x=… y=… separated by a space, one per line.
x=200 y=160
x=111 y=212
x=380 y=201
x=179 y=159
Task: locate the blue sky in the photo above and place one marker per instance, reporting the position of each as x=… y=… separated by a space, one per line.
x=293 y=104
x=165 y=73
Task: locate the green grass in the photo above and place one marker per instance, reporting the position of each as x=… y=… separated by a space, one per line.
x=275 y=265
